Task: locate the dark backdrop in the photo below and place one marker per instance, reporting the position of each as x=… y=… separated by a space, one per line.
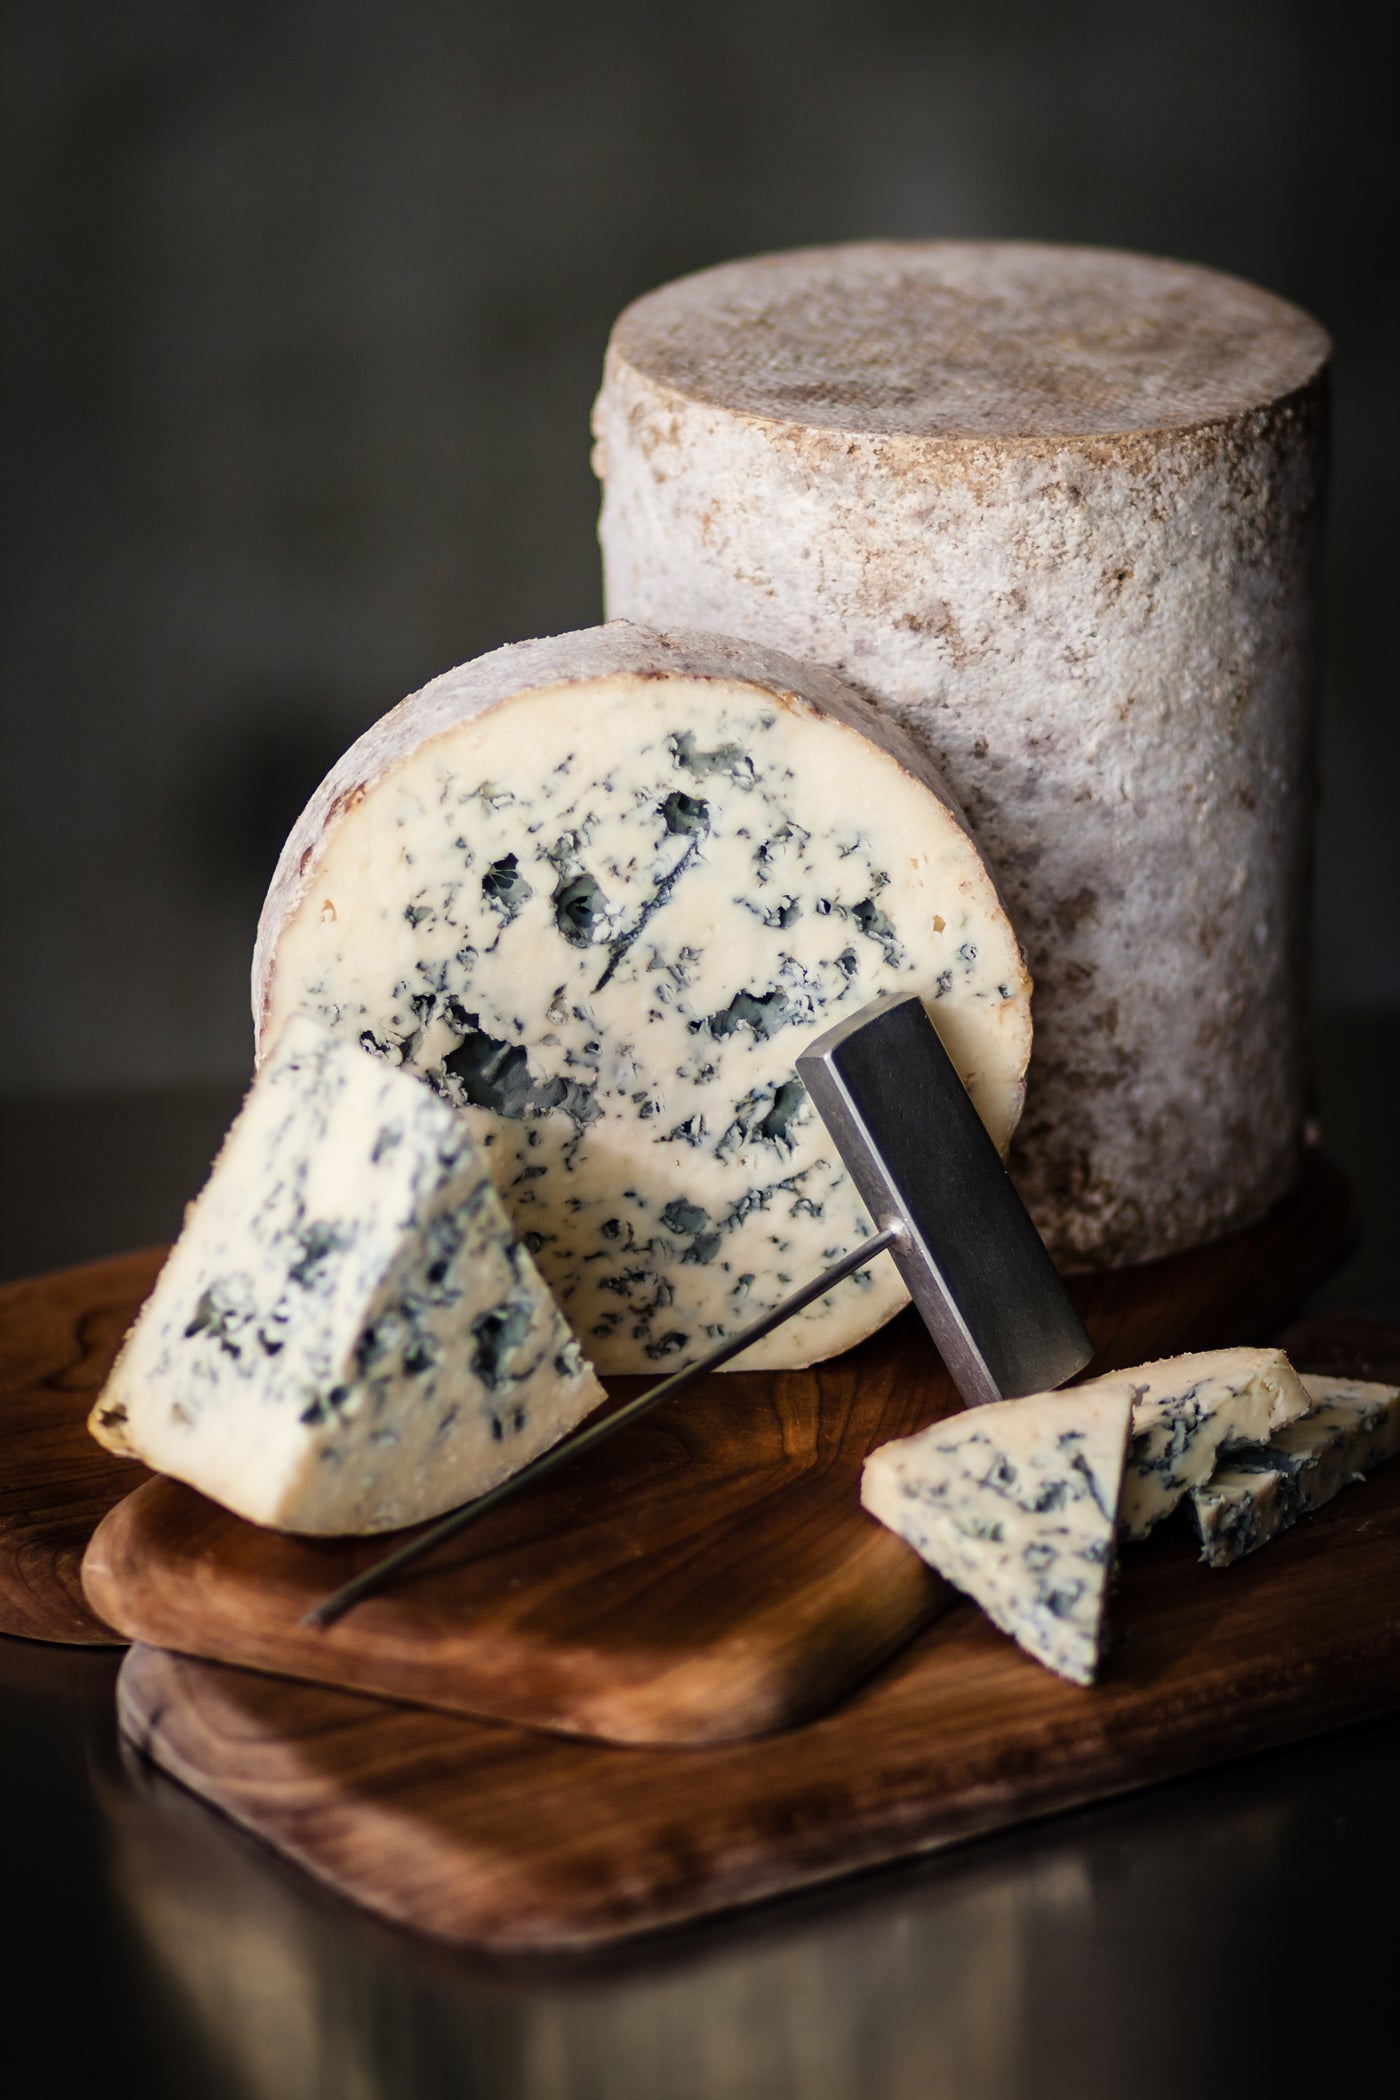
x=304 y=308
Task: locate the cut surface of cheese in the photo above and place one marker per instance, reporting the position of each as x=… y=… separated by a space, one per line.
x=1185 y=1409
x=1016 y=1503
x=347 y=1336
x=1260 y=1490
x=598 y=889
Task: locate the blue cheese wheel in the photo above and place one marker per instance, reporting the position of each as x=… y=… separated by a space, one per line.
x=347 y=1336
x=598 y=890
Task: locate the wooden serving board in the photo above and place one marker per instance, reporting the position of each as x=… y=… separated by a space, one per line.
x=58 y=1335
x=708 y=1575
x=508 y=1839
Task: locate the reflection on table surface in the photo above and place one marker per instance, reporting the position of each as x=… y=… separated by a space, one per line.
x=1152 y=1946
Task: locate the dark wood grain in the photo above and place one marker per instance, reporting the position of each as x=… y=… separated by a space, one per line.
x=58 y=1335
x=708 y=1575
x=504 y=1838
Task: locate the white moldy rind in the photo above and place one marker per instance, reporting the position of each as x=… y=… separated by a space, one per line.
x=1057 y=510
x=598 y=891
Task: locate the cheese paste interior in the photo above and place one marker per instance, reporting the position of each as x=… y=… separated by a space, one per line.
x=599 y=918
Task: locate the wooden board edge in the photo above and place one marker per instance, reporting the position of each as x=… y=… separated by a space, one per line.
x=821 y=1859
x=46 y=1632
x=41 y=1595
x=54 y=1609
x=651 y=1715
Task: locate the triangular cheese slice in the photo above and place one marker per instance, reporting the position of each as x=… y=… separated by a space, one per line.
x=348 y=1336
x=1017 y=1504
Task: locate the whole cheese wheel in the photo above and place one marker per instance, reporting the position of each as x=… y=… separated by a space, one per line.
x=597 y=890
x=1057 y=510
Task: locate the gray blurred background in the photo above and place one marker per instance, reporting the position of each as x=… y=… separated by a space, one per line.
x=305 y=305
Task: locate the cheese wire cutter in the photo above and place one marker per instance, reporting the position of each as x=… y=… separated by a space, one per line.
x=946 y=1212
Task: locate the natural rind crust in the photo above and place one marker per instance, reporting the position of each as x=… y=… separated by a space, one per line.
x=1058 y=511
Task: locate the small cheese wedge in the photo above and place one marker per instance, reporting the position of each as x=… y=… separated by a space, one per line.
x=1185 y=1409
x=1016 y=1503
x=347 y=1337
x=1259 y=1490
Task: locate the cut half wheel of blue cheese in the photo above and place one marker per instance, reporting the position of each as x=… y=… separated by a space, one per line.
x=1259 y=1490
x=348 y=1336
x=598 y=890
x=1017 y=1503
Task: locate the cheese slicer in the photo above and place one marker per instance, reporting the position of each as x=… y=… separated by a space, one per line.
x=944 y=1209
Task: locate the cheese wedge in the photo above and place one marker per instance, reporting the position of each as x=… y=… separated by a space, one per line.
x=348 y=1336
x=1016 y=1503
x=1186 y=1409
x=1259 y=1490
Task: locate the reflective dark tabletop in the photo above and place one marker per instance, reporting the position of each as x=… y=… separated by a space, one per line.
x=1226 y=1934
